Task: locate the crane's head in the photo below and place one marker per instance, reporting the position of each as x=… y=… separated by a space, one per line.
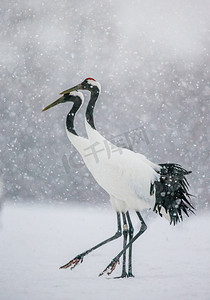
x=74 y=96
x=89 y=84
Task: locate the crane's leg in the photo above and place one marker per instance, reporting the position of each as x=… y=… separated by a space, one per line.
x=110 y=268
x=125 y=236
x=130 y=231
x=79 y=258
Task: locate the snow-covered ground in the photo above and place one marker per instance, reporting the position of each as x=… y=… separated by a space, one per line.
x=169 y=262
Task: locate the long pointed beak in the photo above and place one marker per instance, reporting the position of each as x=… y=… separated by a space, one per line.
x=60 y=100
x=74 y=88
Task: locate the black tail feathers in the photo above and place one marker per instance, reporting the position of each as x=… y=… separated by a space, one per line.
x=172 y=192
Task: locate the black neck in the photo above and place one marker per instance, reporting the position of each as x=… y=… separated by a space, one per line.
x=91 y=106
x=71 y=115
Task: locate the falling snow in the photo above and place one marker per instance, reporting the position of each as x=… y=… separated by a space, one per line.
x=152 y=60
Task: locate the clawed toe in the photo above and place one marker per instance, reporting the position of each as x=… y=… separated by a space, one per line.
x=110 y=268
x=73 y=263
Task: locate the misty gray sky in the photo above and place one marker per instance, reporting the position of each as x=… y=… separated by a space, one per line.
x=152 y=59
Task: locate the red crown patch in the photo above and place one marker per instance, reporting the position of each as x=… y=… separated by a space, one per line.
x=89 y=78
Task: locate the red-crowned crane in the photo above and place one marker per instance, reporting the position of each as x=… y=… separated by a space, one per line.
x=81 y=144
x=132 y=181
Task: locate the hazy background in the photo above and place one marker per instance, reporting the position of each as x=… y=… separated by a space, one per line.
x=152 y=59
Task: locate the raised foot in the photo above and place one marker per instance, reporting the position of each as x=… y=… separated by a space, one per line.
x=73 y=263
x=110 y=268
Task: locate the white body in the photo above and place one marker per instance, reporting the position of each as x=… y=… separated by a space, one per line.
x=126 y=176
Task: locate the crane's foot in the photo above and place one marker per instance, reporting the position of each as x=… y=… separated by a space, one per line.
x=110 y=268
x=73 y=263
x=123 y=275
x=130 y=274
